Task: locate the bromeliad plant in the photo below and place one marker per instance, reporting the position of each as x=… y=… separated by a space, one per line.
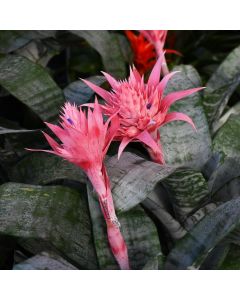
x=142 y=107
x=183 y=214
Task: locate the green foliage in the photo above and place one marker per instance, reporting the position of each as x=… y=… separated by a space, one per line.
x=184 y=215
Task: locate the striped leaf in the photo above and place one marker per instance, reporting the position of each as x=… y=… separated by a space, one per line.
x=194 y=247
x=181 y=144
x=221 y=86
x=32 y=85
x=58 y=215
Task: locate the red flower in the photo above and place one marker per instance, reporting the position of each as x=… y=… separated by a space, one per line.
x=144 y=52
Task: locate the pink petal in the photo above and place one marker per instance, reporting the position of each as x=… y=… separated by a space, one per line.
x=173 y=97
x=147 y=139
x=125 y=141
x=156 y=72
x=58 y=131
x=163 y=83
x=111 y=132
x=177 y=116
x=55 y=146
x=97 y=113
x=112 y=81
x=101 y=92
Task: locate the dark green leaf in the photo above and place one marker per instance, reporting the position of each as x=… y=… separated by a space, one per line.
x=32 y=85
x=45 y=261
x=108 y=47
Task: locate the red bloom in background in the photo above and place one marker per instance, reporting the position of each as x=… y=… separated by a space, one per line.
x=144 y=52
x=147 y=46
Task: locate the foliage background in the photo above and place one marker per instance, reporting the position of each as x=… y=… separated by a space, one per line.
x=184 y=216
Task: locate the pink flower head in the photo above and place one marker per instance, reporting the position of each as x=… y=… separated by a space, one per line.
x=85 y=140
x=142 y=107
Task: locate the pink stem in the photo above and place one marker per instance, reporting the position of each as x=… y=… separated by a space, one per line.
x=157 y=157
x=159 y=50
x=117 y=244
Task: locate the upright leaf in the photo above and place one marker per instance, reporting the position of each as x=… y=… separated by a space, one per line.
x=221 y=86
x=32 y=85
x=108 y=47
x=182 y=145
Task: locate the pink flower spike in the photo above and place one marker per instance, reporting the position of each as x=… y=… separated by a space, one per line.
x=141 y=108
x=85 y=141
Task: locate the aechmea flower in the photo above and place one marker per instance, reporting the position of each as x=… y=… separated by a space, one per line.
x=145 y=45
x=142 y=107
x=143 y=51
x=157 y=38
x=85 y=140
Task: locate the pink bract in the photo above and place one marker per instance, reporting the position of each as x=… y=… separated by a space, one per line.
x=142 y=107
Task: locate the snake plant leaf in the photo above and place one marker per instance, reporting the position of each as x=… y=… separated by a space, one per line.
x=128 y=175
x=232 y=260
x=45 y=261
x=187 y=189
x=128 y=178
x=43 y=169
x=155 y=263
x=37 y=52
x=108 y=47
x=181 y=144
x=79 y=93
x=230 y=189
x=138 y=231
x=32 y=85
x=156 y=204
x=221 y=86
x=233 y=110
x=226 y=140
x=216 y=257
x=227 y=144
x=194 y=247
x=56 y=214
x=199 y=214
x=11 y=40
x=9 y=130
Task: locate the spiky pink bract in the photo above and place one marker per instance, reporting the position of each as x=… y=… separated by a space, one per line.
x=142 y=107
x=85 y=139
